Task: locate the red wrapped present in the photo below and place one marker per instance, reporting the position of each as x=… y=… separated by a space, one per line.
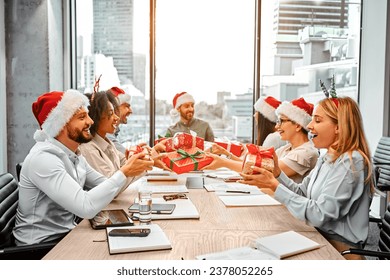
x=168 y=143
x=133 y=150
x=187 y=141
x=258 y=156
x=182 y=161
x=233 y=147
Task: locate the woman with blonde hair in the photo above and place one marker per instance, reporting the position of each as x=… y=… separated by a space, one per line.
x=335 y=197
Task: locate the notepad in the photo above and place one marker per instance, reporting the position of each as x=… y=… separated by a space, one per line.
x=156 y=240
x=249 y=200
x=283 y=245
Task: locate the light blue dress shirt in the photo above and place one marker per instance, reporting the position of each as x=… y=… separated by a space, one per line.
x=333 y=197
x=53 y=190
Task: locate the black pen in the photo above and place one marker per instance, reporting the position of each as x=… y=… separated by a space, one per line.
x=238 y=192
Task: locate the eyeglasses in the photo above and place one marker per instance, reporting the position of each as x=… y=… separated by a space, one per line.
x=281 y=121
x=174 y=196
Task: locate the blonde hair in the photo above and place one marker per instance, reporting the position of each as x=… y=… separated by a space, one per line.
x=345 y=113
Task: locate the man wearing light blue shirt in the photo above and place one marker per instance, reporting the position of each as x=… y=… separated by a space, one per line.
x=56 y=182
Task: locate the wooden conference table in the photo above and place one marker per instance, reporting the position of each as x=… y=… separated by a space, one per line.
x=219 y=228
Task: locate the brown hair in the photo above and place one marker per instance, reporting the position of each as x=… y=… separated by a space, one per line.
x=346 y=114
x=264 y=128
x=99 y=107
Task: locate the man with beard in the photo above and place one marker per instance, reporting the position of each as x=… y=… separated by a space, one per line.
x=183 y=104
x=57 y=185
x=124 y=111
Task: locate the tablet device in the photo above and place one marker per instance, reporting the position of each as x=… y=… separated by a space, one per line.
x=111 y=218
x=157 y=208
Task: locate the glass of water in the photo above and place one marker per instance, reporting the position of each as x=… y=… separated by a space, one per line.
x=145 y=205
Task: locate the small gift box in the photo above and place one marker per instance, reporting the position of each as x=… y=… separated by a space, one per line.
x=187 y=141
x=186 y=160
x=233 y=147
x=133 y=150
x=168 y=143
x=258 y=156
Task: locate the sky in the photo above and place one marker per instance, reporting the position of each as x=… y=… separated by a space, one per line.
x=203 y=46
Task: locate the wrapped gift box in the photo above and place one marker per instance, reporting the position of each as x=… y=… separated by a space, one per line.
x=133 y=150
x=168 y=143
x=258 y=156
x=186 y=160
x=187 y=141
x=232 y=147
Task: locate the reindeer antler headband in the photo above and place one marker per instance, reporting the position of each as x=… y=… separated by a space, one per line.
x=332 y=91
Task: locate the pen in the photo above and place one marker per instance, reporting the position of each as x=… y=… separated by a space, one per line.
x=238 y=192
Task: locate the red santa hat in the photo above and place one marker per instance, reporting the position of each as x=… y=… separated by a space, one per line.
x=53 y=110
x=123 y=96
x=298 y=110
x=267 y=107
x=180 y=99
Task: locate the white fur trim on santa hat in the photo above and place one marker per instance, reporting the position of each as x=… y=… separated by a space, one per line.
x=71 y=102
x=174 y=112
x=294 y=113
x=185 y=98
x=266 y=110
x=124 y=98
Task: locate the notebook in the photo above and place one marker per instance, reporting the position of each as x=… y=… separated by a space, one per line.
x=273 y=247
x=283 y=245
x=156 y=240
x=241 y=253
x=249 y=200
x=110 y=218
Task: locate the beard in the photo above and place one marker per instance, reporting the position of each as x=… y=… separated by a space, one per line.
x=77 y=135
x=187 y=116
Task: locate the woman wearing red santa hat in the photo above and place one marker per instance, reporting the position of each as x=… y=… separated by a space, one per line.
x=56 y=182
x=265 y=120
x=299 y=156
x=184 y=105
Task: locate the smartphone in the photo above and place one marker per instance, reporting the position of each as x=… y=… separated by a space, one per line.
x=138 y=232
x=157 y=208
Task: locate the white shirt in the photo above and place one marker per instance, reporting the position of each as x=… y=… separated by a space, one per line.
x=333 y=198
x=103 y=156
x=53 y=189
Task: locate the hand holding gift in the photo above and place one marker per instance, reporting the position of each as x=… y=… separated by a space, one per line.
x=186 y=160
x=260 y=157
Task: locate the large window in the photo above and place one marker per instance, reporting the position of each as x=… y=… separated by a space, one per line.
x=307 y=41
x=207 y=48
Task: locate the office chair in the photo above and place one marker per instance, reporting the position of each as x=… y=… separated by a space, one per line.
x=8 y=206
x=18 y=169
x=381 y=164
x=383 y=252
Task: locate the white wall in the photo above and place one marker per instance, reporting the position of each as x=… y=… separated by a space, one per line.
x=3 y=104
x=372 y=68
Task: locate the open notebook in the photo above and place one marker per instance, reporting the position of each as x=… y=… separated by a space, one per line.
x=273 y=247
x=156 y=240
x=285 y=244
